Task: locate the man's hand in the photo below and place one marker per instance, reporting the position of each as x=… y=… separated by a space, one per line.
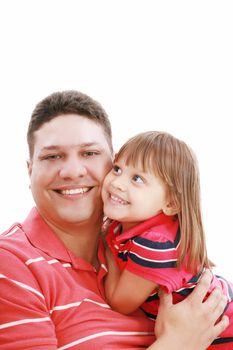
x=192 y=320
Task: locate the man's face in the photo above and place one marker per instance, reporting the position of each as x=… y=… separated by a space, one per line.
x=71 y=158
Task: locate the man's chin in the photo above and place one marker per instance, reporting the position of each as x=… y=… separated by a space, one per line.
x=78 y=216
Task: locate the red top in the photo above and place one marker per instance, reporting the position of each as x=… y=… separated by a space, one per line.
x=51 y=299
x=150 y=250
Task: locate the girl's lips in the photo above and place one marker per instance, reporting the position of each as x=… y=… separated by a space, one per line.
x=117 y=199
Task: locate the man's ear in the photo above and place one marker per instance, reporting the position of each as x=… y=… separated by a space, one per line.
x=171 y=209
x=29 y=166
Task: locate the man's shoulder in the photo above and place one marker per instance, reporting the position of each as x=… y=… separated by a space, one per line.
x=15 y=247
x=11 y=230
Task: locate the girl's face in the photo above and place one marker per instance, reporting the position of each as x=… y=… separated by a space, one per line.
x=131 y=195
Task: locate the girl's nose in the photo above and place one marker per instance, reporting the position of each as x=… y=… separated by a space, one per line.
x=119 y=184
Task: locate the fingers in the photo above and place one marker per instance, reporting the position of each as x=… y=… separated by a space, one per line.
x=105 y=225
x=165 y=299
x=220 y=326
x=216 y=303
x=202 y=287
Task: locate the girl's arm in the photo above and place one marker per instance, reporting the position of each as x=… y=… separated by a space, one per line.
x=190 y=324
x=124 y=290
x=113 y=275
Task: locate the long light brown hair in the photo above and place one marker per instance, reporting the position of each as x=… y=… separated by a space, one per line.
x=175 y=163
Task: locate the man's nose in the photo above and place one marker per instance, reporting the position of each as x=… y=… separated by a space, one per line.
x=73 y=168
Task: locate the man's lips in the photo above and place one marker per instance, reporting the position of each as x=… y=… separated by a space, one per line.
x=73 y=191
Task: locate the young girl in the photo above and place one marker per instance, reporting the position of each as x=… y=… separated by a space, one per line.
x=156 y=238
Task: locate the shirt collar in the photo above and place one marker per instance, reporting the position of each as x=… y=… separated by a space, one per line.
x=42 y=237
x=155 y=221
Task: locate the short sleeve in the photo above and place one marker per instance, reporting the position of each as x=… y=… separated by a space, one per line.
x=154 y=257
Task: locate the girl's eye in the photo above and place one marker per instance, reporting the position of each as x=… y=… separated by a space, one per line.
x=138 y=179
x=116 y=169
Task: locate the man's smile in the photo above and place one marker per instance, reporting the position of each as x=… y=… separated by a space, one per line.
x=73 y=191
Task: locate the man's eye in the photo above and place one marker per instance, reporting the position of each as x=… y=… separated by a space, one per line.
x=90 y=153
x=52 y=156
x=138 y=179
x=116 y=169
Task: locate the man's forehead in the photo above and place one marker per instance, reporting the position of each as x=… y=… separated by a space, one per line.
x=71 y=131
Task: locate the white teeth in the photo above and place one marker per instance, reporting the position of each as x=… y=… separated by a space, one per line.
x=118 y=199
x=75 y=191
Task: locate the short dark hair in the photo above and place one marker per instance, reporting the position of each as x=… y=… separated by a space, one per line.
x=67 y=102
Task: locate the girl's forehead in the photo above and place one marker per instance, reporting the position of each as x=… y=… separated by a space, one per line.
x=137 y=163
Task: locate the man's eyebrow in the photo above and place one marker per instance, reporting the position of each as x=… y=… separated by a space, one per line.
x=81 y=145
x=89 y=144
x=52 y=147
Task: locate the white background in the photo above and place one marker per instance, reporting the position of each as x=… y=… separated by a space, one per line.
x=165 y=65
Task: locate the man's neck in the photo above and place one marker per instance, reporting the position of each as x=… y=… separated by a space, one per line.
x=81 y=240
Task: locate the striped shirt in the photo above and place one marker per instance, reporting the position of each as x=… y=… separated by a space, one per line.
x=51 y=299
x=150 y=250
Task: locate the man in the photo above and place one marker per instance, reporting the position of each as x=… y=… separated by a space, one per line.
x=53 y=265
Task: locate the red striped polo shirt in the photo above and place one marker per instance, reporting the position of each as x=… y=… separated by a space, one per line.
x=51 y=299
x=150 y=250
